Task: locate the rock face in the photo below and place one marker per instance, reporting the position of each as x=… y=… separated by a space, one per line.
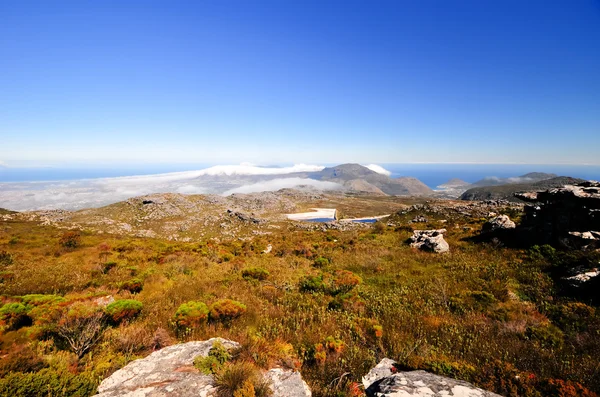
x=383 y=381
x=569 y=216
x=500 y=222
x=170 y=371
x=430 y=240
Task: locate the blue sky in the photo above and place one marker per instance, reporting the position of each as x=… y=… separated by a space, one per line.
x=146 y=82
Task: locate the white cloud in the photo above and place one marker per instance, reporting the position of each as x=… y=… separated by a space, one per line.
x=85 y=193
x=378 y=169
x=281 y=183
x=191 y=189
x=3 y=164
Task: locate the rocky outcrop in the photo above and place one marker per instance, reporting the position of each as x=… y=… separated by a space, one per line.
x=430 y=240
x=384 y=380
x=170 y=371
x=568 y=216
x=500 y=222
x=512 y=191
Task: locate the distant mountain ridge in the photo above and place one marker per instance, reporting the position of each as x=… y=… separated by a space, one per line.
x=356 y=175
x=530 y=177
x=507 y=191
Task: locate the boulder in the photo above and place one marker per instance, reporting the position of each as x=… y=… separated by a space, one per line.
x=170 y=371
x=500 y=222
x=385 y=380
x=566 y=216
x=419 y=219
x=430 y=240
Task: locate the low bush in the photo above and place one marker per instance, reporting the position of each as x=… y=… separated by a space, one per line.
x=321 y=262
x=546 y=335
x=256 y=273
x=191 y=314
x=339 y=282
x=123 y=310
x=135 y=285
x=132 y=339
x=48 y=382
x=107 y=266
x=70 y=239
x=15 y=315
x=41 y=299
x=21 y=359
x=226 y=310
x=241 y=379
x=218 y=355
x=80 y=327
x=5 y=258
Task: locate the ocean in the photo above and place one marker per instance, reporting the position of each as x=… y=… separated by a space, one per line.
x=430 y=174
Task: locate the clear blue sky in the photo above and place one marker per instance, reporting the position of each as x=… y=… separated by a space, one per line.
x=299 y=81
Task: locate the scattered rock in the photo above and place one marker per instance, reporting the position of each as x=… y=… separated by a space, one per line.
x=419 y=219
x=384 y=380
x=500 y=222
x=585 y=276
x=104 y=301
x=170 y=371
x=430 y=240
x=268 y=249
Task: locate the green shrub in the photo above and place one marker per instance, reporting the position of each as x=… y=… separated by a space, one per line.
x=340 y=282
x=213 y=363
x=547 y=335
x=256 y=273
x=191 y=314
x=41 y=299
x=321 y=262
x=48 y=382
x=106 y=267
x=135 y=285
x=226 y=310
x=574 y=316
x=124 y=309
x=15 y=315
x=312 y=284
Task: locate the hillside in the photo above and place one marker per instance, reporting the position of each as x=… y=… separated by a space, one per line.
x=344 y=173
x=327 y=300
x=528 y=178
x=507 y=192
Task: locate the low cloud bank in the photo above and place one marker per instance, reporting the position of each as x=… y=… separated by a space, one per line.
x=378 y=169
x=282 y=183
x=86 y=193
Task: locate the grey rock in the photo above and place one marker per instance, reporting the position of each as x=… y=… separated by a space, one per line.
x=430 y=240
x=384 y=380
x=419 y=219
x=500 y=222
x=170 y=371
x=287 y=383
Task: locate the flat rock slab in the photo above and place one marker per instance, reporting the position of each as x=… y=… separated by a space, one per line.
x=171 y=372
x=384 y=381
